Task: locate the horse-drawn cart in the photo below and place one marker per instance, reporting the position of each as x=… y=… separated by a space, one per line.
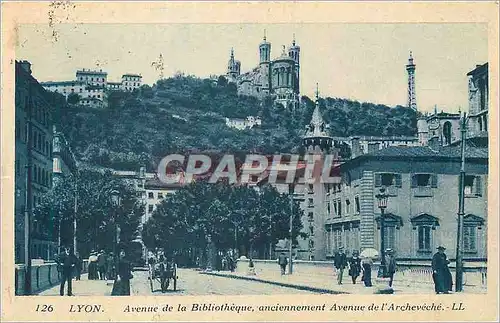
x=162 y=272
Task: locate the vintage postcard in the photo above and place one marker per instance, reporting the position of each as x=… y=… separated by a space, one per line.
x=249 y=161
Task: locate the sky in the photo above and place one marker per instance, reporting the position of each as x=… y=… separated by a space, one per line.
x=364 y=62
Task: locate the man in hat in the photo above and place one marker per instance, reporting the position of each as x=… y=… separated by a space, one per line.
x=440 y=272
x=66 y=262
x=340 y=262
x=390 y=265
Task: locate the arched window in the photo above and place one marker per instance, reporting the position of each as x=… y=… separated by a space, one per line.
x=480 y=121
x=447 y=132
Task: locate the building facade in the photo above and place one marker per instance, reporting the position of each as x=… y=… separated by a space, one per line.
x=478 y=104
x=33 y=149
x=93 y=87
x=279 y=78
x=421 y=214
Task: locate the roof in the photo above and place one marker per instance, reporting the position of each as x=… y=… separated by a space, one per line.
x=156 y=183
x=85 y=71
x=135 y=75
x=317 y=126
x=480 y=69
x=424 y=153
x=73 y=83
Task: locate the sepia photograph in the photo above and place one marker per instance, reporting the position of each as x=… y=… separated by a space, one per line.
x=250 y=158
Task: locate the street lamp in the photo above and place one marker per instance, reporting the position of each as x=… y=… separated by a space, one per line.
x=116 y=201
x=382 y=198
x=291 y=189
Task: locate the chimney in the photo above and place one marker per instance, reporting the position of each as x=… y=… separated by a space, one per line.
x=355 y=147
x=26 y=66
x=373 y=147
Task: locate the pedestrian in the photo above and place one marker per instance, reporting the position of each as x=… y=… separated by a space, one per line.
x=367 y=271
x=110 y=266
x=101 y=264
x=282 y=261
x=440 y=272
x=92 y=265
x=121 y=286
x=340 y=262
x=390 y=265
x=354 y=266
x=78 y=266
x=66 y=262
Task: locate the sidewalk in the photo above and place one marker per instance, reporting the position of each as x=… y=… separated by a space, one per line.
x=328 y=285
x=83 y=287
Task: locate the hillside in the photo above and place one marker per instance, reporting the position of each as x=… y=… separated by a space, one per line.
x=141 y=127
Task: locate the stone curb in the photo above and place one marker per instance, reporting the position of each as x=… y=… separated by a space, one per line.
x=272 y=282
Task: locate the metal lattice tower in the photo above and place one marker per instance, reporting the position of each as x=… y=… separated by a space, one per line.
x=412 y=97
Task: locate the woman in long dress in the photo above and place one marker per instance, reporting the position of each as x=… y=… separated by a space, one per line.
x=367 y=271
x=121 y=287
x=354 y=266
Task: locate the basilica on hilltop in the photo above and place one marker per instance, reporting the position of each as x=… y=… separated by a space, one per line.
x=278 y=78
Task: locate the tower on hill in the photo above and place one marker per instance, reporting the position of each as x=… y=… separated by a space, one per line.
x=412 y=98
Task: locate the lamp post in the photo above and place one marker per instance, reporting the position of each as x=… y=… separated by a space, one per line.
x=291 y=189
x=382 y=198
x=461 y=205
x=116 y=201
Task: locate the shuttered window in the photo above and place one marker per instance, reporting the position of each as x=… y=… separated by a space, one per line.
x=390 y=237
x=470 y=238
x=424 y=238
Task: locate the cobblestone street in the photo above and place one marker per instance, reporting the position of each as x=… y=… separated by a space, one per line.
x=190 y=282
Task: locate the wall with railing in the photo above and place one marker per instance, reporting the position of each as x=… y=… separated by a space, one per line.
x=408 y=273
x=43 y=276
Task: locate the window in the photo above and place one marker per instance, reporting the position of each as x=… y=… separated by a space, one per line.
x=424 y=238
x=150 y=208
x=339 y=207
x=356 y=200
x=160 y=195
x=335 y=210
x=311 y=190
x=387 y=179
x=423 y=184
x=310 y=215
x=311 y=230
x=151 y=195
x=347 y=206
x=310 y=202
x=390 y=237
x=473 y=186
x=337 y=239
x=470 y=239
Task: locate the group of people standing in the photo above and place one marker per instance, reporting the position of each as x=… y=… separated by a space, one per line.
x=101 y=266
x=441 y=273
x=362 y=266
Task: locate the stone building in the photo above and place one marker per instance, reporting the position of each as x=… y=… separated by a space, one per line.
x=93 y=86
x=279 y=78
x=33 y=148
x=478 y=105
x=422 y=184
x=443 y=129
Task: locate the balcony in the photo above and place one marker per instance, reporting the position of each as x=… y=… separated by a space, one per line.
x=422 y=191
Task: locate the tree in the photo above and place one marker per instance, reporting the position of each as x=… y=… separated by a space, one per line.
x=73 y=98
x=96 y=216
x=234 y=216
